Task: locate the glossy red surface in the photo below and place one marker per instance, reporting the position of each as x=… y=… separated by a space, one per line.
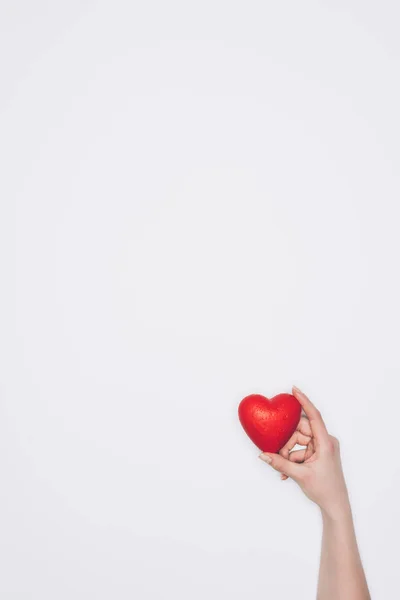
x=269 y=423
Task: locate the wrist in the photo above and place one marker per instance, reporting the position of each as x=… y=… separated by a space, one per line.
x=338 y=509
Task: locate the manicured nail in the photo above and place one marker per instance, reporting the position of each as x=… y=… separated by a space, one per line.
x=265 y=458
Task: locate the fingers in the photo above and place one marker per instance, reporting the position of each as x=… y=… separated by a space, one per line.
x=297 y=456
x=300 y=456
x=309 y=408
x=304 y=426
x=303 y=454
x=282 y=465
x=296 y=438
x=317 y=424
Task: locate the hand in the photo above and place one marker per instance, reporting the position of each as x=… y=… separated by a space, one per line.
x=317 y=468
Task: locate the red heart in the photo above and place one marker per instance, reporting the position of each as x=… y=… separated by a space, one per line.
x=269 y=423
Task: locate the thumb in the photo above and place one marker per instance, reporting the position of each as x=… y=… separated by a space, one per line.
x=282 y=465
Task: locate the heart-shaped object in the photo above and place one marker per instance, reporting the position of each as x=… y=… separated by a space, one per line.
x=269 y=422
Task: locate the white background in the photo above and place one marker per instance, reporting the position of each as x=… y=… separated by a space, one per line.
x=198 y=201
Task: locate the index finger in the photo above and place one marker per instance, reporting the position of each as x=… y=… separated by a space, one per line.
x=317 y=424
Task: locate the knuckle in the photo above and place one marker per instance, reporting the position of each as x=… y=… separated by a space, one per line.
x=333 y=444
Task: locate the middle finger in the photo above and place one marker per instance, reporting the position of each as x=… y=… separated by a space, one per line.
x=297 y=438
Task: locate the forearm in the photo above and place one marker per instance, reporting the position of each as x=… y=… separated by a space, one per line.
x=341 y=575
x=318 y=471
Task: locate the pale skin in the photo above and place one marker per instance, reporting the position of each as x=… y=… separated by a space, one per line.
x=318 y=471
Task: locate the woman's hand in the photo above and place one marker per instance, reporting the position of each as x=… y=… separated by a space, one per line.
x=317 y=468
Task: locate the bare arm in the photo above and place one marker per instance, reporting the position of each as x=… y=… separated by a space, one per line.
x=318 y=471
x=341 y=574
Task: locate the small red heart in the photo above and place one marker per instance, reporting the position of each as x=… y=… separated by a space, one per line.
x=269 y=422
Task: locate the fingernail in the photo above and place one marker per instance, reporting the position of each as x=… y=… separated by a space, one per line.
x=296 y=388
x=265 y=458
